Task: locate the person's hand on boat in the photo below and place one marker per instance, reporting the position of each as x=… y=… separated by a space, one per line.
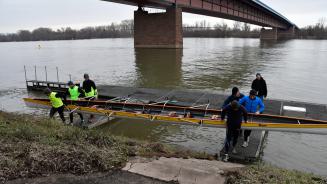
x=214 y=117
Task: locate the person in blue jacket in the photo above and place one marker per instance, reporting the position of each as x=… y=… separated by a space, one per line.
x=251 y=104
x=236 y=95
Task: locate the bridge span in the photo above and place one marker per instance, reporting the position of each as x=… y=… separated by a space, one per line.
x=164 y=30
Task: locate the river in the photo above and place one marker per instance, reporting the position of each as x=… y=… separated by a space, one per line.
x=294 y=70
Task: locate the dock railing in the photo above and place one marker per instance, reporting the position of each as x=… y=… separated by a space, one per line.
x=38 y=84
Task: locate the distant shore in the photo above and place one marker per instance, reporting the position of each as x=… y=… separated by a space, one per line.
x=200 y=36
x=125 y=29
x=35 y=147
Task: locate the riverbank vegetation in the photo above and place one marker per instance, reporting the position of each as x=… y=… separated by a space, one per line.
x=34 y=146
x=317 y=31
x=220 y=30
x=259 y=173
x=125 y=29
x=121 y=30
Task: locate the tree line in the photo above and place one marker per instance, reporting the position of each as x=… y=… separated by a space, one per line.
x=121 y=30
x=125 y=29
x=317 y=31
x=220 y=30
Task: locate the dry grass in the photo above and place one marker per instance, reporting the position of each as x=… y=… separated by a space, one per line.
x=34 y=146
x=263 y=173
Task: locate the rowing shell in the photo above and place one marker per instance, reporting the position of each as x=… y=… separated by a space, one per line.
x=318 y=128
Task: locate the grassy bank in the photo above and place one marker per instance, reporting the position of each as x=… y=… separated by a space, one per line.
x=32 y=147
x=263 y=173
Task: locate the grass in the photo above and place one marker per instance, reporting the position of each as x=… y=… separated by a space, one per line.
x=33 y=146
x=260 y=173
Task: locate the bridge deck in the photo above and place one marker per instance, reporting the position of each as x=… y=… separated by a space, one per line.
x=254 y=11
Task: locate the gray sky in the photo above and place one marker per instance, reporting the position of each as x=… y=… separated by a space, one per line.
x=30 y=14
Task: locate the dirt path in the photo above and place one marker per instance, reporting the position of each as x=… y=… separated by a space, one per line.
x=115 y=177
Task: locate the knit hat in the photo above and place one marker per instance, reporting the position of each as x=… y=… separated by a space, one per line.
x=47 y=91
x=235 y=105
x=253 y=92
x=234 y=90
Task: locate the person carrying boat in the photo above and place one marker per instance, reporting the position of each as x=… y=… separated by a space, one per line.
x=56 y=103
x=89 y=87
x=235 y=112
x=259 y=84
x=90 y=90
x=75 y=93
x=236 y=95
x=251 y=104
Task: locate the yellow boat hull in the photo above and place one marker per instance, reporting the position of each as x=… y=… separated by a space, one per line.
x=189 y=121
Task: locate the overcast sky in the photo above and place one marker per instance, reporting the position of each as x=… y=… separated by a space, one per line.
x=30 y=14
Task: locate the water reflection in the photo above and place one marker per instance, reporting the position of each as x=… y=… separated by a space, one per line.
x=233 y=65
x=142 y=129
x=158 y=68
x=191 y=137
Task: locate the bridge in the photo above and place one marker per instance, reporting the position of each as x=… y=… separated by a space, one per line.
x=164 y=30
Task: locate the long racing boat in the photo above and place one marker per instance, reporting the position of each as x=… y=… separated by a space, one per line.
x=186 y=115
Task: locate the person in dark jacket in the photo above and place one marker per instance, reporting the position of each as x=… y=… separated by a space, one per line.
x=89 y=87
x=235 y=113
x=236 y=95
x=251 y=104
x=259 y=84
x=90 y=91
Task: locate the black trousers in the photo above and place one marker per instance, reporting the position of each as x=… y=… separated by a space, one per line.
x=90 y=99
x=60 y=110
x=71 y=116
x=247 y=133
x=231 y=135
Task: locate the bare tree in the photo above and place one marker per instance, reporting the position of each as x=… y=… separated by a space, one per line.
x=321 y=22
x=237 y=26
x=246 y=27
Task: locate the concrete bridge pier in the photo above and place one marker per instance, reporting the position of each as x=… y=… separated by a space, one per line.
x=277 y=34
x=158 y=30
x=286 y=34
x=268 y=34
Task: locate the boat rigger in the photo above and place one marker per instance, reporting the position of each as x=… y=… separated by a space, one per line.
x=187 y=115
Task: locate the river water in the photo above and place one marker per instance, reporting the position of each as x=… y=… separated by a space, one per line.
x=294 y=70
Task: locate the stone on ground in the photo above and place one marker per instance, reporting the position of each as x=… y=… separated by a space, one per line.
x=185 y=171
